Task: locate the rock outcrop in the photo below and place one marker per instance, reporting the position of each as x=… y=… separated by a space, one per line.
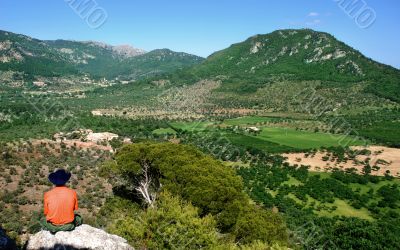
x=83 y=237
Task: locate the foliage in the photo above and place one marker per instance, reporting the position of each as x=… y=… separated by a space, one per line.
x=171 y=224
x=309 y=208
x=205 y=182
x=184 y=171
x=380 y=125
x=256 y=223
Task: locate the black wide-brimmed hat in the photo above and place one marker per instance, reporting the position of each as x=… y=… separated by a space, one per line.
x=60 y=177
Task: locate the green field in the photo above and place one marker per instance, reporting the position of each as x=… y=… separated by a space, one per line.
x=292 y=182
x=304 y=139
x=341 y=208
x=364 y=188
x=248 y=120
x=191 y=126
x=248 y=141
x=344 y=209
x=271 y=139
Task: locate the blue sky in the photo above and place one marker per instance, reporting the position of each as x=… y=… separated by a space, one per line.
x=205 y=26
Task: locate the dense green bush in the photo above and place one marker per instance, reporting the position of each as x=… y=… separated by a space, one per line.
x=255 y=223
x=209 y=185
x=170 y=224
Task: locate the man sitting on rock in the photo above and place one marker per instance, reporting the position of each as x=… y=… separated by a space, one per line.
x=60 y=204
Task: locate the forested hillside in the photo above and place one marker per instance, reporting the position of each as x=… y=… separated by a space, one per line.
x=295 y=56
x=60 y=58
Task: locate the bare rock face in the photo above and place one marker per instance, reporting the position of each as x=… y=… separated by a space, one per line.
x=83 y=237
x=127 y=51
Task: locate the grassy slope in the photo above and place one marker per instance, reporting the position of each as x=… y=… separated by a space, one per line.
x=191 y=126
x=254 y=142
x=305 y=139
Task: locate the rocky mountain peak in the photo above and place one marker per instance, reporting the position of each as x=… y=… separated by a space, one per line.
x=127 y=51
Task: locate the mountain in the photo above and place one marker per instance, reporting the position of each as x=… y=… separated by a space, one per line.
x=25 y=54
x=294 y=56
x=155 y=62
x=264 y=71
x=35 y=57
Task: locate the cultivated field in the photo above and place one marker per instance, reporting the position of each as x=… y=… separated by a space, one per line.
x=272 y=137
x=387 y=159
x=305 y=139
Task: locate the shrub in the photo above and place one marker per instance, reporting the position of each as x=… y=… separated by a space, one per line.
x=170 y=224
x=255 y=223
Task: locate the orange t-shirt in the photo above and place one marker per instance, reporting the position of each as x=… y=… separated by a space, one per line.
x=59 y=205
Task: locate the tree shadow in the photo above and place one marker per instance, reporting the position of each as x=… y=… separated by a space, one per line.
x=125 y=193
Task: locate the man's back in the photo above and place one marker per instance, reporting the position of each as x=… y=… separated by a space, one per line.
x=59 y=205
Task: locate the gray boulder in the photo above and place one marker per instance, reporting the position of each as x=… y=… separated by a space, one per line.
x=83 y=237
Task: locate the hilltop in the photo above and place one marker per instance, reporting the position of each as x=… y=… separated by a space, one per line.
x=268 y=71
x=300 y=55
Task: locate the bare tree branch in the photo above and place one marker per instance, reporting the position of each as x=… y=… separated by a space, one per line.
x=145 y=185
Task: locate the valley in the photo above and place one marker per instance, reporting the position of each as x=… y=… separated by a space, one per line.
x=299 y=129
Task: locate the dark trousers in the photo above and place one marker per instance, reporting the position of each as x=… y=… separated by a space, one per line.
x=59 y=228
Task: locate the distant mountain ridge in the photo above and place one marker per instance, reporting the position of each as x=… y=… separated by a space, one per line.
x=120 y=51
x=36 y=57
x=261 y=65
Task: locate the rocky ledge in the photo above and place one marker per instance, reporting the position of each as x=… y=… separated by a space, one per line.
x=83 y=237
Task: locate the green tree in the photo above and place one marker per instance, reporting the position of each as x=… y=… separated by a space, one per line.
x=255 y=223
x=183 y=170
x=152 y=168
